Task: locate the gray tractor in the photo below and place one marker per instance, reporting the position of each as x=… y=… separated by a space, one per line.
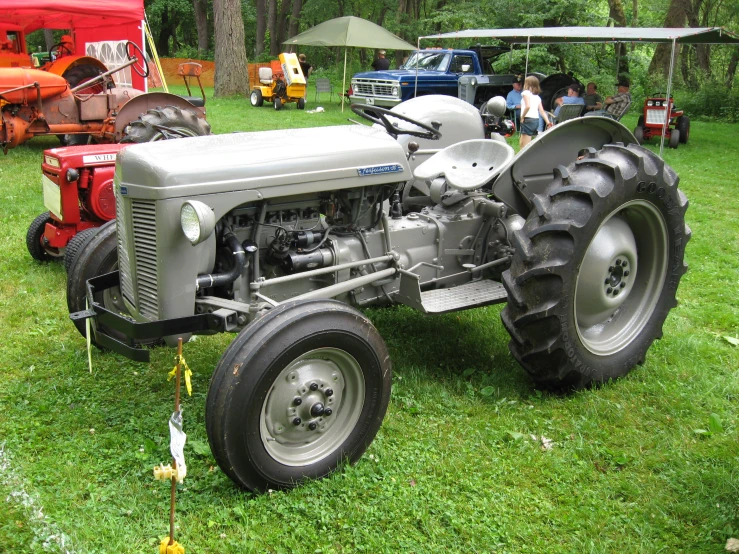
x=282 y=236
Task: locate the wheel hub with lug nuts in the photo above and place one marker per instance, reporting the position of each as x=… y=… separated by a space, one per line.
x=312 y=406
x=611 y=305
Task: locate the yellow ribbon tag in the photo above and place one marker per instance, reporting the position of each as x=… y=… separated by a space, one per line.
x=88 y=332
x=188 y=373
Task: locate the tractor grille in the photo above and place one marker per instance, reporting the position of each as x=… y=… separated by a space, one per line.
x=143 y=217
x=656 y=117
x=370 y=87
x=124 y=265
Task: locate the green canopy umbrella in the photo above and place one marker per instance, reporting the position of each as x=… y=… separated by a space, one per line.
x=349 y=31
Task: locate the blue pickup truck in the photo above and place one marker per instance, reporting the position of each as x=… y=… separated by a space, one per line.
x=438 y=72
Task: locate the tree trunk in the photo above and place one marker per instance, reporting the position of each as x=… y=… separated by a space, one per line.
x=272 y=27
x=282 y=23
x=49 y=38
x=731 y=71
x=231 y=76
x=634 y=18
x=261 y=27
x=617 y=15
x=676 y=17
x=165 y=32
x=201 y=23
x=294 y=27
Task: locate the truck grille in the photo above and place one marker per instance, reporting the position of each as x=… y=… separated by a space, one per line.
x=143 y=217
x=370 y=87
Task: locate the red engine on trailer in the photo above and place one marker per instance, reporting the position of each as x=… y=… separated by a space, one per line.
x=78 y=192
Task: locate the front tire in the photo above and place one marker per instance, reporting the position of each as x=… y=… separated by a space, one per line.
x=35 y=240
x=301 y=103
x=639 y=135
x=165 y=123
x=596 y=268
x=278 y=103
x=299 y=392
x=683 y=125
x=97 y=254
x=674 y=138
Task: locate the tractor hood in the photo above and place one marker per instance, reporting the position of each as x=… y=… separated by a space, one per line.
x=270 y=163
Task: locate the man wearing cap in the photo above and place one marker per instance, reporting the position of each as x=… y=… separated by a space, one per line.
x=573 y=97
x=616 y=104
x=513 y=100
x=381 y=63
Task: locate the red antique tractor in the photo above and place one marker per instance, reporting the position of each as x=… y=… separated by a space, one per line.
x=35 y=102
x=652 y=123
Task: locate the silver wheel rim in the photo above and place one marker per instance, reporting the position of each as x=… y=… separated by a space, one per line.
x=312 y=407
x=621 y=277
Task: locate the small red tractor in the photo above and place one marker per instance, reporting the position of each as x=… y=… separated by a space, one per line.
x=35 y=102
x=78 y=194
x=657 y=107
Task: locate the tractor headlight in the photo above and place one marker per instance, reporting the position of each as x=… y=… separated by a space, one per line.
x=197 y=220
x=650 y=103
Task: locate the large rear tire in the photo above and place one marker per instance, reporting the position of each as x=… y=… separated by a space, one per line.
x=299 y=392
x=596 y=268
x=256 y=98
x=165 y=123
x=683 y=125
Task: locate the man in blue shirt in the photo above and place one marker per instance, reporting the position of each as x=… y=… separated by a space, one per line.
x=513 y=100
x=573 y=97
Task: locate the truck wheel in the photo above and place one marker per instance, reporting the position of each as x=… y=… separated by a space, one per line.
x=97 y=254
x=299 y=392
x=256 y=98
x=165 y=123
x=73 y=246
x=674 y=138
x=35 y=237
x=596 y=268
x=683 y=125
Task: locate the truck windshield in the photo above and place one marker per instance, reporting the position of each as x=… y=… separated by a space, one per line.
x=434 y=61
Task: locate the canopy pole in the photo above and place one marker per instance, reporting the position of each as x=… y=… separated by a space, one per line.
x=343 y=82
x=510 y=58
x=669 y=90
x=528 y=45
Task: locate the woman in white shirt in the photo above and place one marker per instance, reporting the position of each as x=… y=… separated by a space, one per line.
x=531 y=110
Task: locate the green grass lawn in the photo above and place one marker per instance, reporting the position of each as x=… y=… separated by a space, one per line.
x=646 y=464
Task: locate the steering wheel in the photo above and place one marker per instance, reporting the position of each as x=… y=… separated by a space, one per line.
x=133 y=52
x=367 y=112
x=61 y=48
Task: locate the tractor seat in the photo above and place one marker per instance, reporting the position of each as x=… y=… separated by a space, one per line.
x=195 y=101
x=265 y=75
x=467 y=165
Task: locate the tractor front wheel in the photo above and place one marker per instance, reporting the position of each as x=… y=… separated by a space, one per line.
x=35 y=240
x=301 y=103
x=596 y=268
x=683 y=125
x=278 y=103
x=639 y=134
x=298 y=393
x=165 y=123
x=256 y=98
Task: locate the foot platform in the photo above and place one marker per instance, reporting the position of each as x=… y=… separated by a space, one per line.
x=441 y=301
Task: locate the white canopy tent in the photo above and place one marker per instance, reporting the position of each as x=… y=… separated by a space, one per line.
x=584 y=35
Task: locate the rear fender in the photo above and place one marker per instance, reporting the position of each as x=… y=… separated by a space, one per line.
x=531 y=170
x=60 y=66
x=132 y=109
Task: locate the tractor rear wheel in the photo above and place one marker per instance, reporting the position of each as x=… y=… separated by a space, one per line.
x=683 y=125
x=35 y=240
x=165 y=123
x=81 y=73
x=299 y=392
x=278 y=103
x=674 y=138
x=639 y=134
x=256 y=98
x=596 y=268
x=97 y=254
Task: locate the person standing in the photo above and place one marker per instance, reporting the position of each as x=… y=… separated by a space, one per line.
x=381 y=63
x=513 y=101
x=531 y=110
x=593 y=100
x=306 y=68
